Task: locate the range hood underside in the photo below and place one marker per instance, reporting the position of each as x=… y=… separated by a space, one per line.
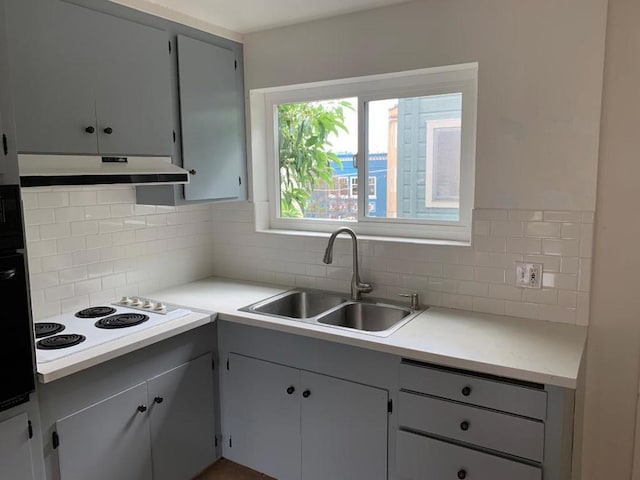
x=57 y=170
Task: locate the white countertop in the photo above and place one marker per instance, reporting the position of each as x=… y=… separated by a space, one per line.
x=50 y=371
x=530 y=350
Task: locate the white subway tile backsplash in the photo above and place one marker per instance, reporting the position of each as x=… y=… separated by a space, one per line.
x=542 y=229
x=568 y=248
x=524 y=245
x=53 y=199
x=39 y=216
x=59 y=292
x=72 y=275
x=69 y=214
x=99 y=245
x=525 y=215
x=117 y=247
x=54 y=231
x=562 y=217
x=56 y=262
x=79 y=229
x=82 y=198
x=97 y=212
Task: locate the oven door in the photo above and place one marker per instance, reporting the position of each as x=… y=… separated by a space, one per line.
x=16 y=353
x=11 y=236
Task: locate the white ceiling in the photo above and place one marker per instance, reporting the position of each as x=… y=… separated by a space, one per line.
x=245 y=16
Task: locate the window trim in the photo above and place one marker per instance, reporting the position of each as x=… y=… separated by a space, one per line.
x=423 y=82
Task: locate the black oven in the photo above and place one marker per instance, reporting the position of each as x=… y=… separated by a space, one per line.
x=16 y=350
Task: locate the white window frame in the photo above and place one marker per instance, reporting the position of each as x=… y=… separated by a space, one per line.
x=423 y=82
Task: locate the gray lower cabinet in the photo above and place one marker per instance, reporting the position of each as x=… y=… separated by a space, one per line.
x=107 y=440
x=162 y=428
x=84 y=82
x=298 y=425
x=181 y=411
x=419 y=457
x=15 y=448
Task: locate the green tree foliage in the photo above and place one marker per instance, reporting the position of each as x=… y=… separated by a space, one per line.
x=305 y=151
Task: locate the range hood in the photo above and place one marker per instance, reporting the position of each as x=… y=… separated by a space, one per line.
x=52 y=170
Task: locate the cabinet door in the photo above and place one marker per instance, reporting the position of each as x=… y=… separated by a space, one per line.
x=264 y=416
x=211 y=116
x=107 y=440
x=344 y=429
x=181 y=406
x=133 y=93
x=50 y=55
x=15 y=448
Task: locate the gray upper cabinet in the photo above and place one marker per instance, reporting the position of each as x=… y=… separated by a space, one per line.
x=15 y=448
x=211 y=120
x=50 y=58
x=85 y=82
x=133 y=94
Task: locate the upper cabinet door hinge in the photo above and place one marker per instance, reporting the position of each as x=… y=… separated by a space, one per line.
x=5 y=145
x=390 y=406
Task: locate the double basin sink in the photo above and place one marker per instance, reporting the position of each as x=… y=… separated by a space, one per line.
x=376 y=317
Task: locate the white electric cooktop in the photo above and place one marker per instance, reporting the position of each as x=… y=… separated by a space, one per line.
x=69 y=333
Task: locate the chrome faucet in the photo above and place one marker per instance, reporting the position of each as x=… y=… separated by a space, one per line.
x=357 y=287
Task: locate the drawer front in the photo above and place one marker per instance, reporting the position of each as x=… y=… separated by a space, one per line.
x=422 y=458
x=529 y=402
x=498 y=431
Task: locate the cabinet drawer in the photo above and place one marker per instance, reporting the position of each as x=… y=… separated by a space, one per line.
x=419 y=458
x=494 y=394
x=498 y=431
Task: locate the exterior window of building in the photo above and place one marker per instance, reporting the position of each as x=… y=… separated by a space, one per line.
x=410 y=136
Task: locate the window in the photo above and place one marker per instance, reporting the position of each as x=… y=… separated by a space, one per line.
x=409 y=135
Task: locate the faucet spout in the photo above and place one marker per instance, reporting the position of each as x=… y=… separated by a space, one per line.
x=357 y=287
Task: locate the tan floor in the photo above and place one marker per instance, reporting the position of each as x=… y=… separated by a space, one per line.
x=224 y=469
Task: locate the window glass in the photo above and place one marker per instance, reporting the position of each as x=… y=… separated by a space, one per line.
x=413 y=153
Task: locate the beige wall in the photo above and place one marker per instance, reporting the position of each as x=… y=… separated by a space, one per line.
x=540 y=81
x=614 y=337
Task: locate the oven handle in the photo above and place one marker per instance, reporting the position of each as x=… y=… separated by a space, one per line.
x=8 y=274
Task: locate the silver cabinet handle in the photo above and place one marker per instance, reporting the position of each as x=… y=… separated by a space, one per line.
x=8 y=274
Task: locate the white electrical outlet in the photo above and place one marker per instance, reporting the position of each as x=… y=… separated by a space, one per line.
x=529 y=275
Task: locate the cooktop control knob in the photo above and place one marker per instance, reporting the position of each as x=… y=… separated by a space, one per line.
x=136 y=302
x=160 y=307
x=149 y=304
x=125 y=300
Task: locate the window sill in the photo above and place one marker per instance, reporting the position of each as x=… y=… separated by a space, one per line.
x=370 y=238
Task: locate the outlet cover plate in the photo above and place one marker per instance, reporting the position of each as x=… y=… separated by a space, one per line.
x=529 y=275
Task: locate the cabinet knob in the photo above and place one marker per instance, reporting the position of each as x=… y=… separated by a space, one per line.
x=290 y=390
x=464 y=426
x=142 y=408
x=466 y=391
x=108 y=130
x=90 y=129
x=158 y=400
x=306 y=393
x=462 y=474
x=192 y=171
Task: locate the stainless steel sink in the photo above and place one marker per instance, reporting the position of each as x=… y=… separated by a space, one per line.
x=369 y=317
x=297 y=304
